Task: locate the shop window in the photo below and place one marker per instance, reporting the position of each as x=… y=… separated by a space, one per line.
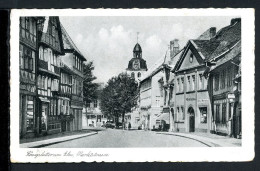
x=203 y=114
x=182 y=114
x=30 y=114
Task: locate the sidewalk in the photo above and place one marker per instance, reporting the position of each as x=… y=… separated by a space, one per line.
x=54 y=139
x=211 y=140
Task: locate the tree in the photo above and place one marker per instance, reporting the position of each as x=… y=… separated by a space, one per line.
x=90 y=92
x=118 y=96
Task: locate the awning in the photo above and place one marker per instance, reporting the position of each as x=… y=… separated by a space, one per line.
x=165 y=117
x=44 y=100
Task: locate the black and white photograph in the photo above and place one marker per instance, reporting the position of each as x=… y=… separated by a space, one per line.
x=88 y=83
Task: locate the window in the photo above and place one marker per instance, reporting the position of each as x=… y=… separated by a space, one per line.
x=188 y=87
x=216 y=82
x=224 y=107
x=182 y=84
x=191 y=58
x=223 y=79
x=182 y=114
x=193 y=83
x=133 y=75
x=217 y=114
x=200 y=82
x=229 y=77
x=95 y=104
x=28 y=28
x=27 y=58
x=178 y=85
x=203 y=114
x=178 y=114
x=139 y=74
x=157 y=101
x=21 y=56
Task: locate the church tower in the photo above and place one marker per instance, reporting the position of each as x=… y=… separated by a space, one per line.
x=137 y=65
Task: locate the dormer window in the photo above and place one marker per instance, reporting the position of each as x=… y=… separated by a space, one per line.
x=191 y=58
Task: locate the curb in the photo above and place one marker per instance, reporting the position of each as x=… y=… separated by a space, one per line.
x=209 y=144
x=39 y=144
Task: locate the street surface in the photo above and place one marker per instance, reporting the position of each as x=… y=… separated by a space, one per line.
x=113 y=138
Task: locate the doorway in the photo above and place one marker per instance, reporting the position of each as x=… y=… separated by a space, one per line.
x=191 y=119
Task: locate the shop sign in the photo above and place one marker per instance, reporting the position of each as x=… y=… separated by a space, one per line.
x=190 y=99
x=202 y=100
x=231 y=96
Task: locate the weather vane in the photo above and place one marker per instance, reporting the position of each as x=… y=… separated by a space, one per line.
x=137 y=33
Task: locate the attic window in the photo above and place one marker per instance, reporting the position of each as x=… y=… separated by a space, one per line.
x=191 y=58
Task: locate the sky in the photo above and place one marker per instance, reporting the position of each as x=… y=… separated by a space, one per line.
x=109 y=41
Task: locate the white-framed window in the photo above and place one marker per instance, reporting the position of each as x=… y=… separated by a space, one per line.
x=192 y=82
x=182 y=83
x=188 y=87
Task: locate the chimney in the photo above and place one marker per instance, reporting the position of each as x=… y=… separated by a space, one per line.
x=174 y=47
x=208 y=34
x=212 y=32
x=234 y=20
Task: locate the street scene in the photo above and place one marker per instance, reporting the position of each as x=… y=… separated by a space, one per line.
x=126 y=82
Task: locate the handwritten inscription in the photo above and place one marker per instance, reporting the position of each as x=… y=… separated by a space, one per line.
x=66 y=154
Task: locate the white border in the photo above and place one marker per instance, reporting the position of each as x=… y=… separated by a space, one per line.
x=244 y=153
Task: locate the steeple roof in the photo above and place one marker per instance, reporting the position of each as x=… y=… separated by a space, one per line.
x=137 y=48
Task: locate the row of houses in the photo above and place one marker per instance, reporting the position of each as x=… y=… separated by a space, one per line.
x=51 y=78
x=196 y=88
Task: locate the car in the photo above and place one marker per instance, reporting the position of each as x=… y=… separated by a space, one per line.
x=109 y=124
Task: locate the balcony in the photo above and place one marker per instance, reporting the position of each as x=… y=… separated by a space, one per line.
x=43 y=64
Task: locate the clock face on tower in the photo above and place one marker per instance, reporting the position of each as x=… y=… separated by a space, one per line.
x=136 y=64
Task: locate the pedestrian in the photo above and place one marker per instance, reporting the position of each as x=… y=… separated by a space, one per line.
x=129 y=126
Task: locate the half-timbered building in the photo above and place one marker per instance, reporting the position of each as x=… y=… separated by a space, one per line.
x=27 y=58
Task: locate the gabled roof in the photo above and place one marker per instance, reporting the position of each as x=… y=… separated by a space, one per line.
x=68 y=42
x=233 y=53
x=225 y=39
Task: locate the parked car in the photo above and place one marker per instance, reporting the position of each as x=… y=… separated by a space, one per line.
x=109 y=124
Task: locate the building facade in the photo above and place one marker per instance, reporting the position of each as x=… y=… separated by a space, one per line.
x=47 y=84
x=154 y=92
x=92 y=115
x=196 y=101
x=225 y=81
x=27 y=58
x=74 y=59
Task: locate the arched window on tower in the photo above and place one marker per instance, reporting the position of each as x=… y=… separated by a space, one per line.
x=133 y=75
x=139 y=74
